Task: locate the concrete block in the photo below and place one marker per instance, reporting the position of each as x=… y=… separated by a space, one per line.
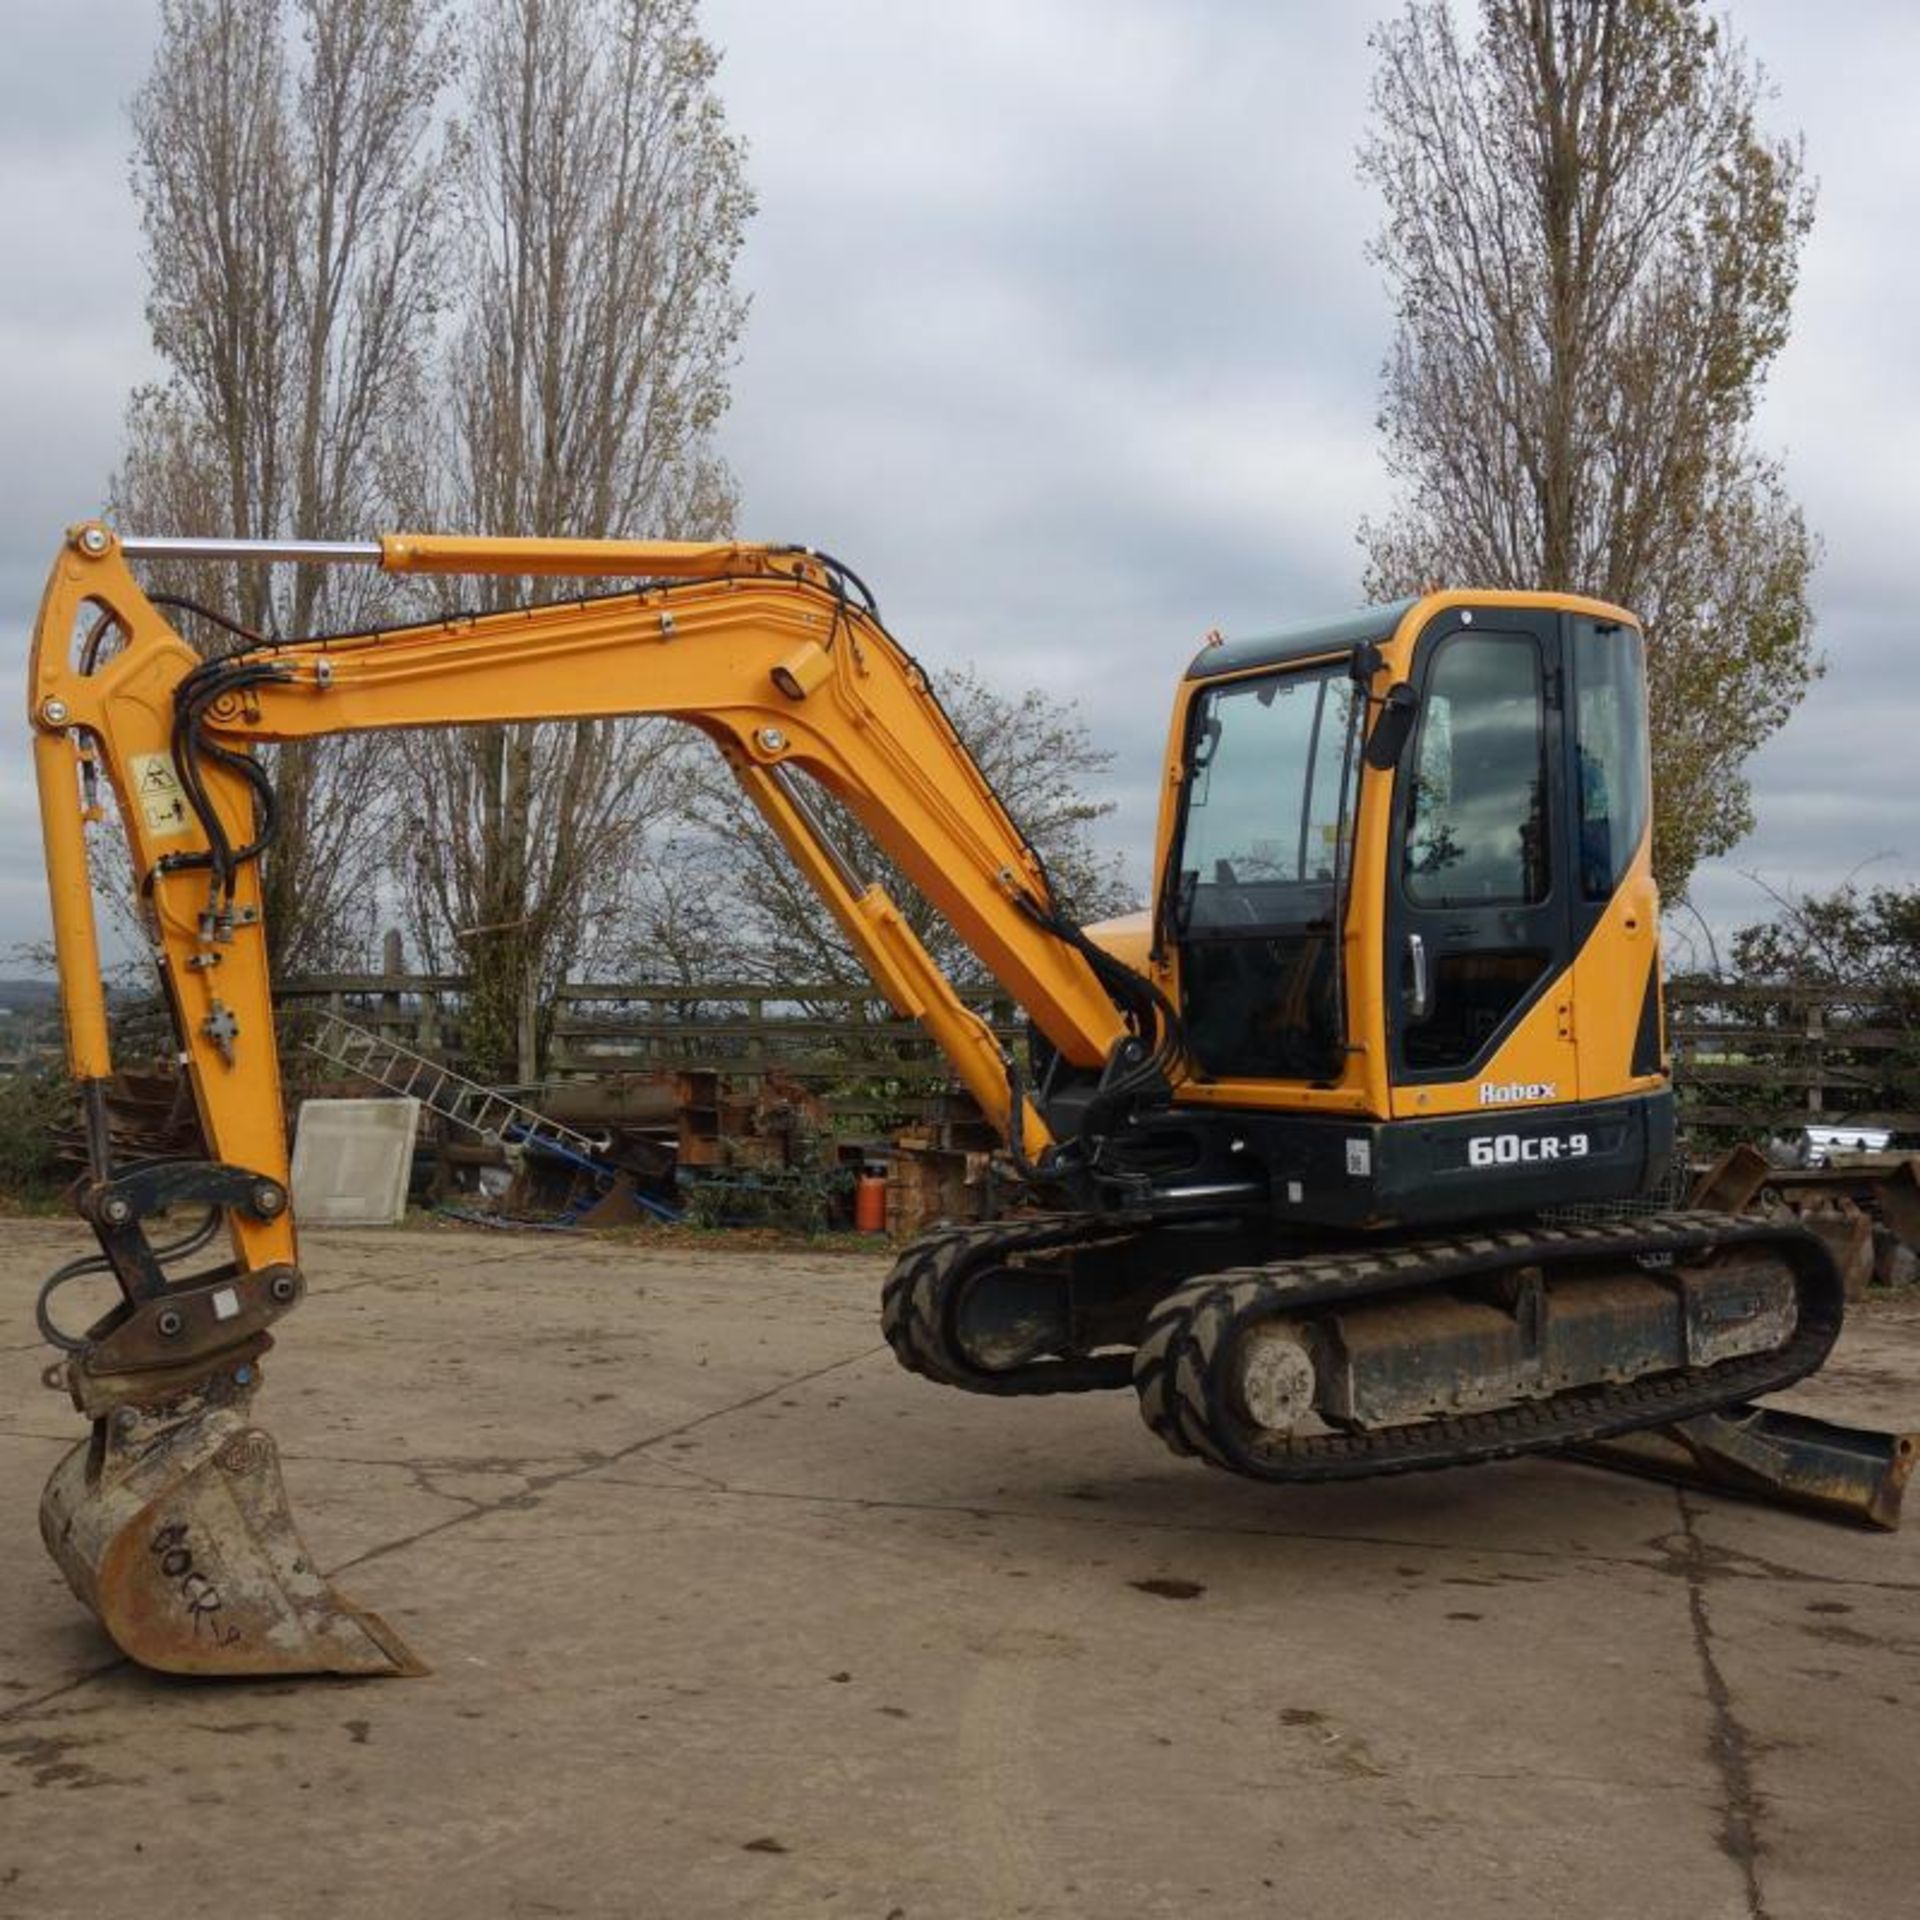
x=351 y=1161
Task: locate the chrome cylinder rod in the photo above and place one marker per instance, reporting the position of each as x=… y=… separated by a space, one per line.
x=816 y=824
x=321 y=553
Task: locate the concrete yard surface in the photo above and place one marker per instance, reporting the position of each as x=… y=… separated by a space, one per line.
x=730 y=1616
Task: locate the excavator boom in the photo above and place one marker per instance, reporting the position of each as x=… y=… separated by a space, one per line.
x=171 y=1520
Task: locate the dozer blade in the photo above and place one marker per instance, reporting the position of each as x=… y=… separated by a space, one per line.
x=171 y=1522
x=1852 y=1474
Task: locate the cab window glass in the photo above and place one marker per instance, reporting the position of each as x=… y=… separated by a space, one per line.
x=1263 y=835
x=1611 y=752
x=1477 y=821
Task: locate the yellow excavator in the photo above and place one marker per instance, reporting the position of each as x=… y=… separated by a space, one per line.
x=1336 y=1155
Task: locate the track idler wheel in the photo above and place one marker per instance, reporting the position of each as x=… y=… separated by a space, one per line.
x=171 y=1523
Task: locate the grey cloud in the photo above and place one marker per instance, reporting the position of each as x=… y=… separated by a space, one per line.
x=1065 y=337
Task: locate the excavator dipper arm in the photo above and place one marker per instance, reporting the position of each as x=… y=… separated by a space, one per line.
x=171 y=1520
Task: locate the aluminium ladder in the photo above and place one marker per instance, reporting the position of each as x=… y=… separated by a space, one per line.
x=452 y=1095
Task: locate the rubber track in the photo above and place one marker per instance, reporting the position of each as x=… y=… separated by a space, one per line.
x=924 y=1290
x=1181 y=1369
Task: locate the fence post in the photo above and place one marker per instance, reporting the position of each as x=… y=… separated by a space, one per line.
x=390 y=958
x=527 y=1030
x=1816 y=1057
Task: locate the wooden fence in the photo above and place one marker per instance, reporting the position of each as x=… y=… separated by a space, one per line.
x=844 y=1043
x=1757 y=1060
x=1747 y=1060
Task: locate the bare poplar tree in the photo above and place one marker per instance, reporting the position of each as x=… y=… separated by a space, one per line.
x=604 y=203
x=290 y=210
x=1593 y=247
x=769 y=924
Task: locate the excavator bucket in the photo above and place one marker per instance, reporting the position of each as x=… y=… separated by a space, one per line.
x=171 y=1522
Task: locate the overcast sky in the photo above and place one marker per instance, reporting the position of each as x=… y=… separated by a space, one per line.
x=1064 y=336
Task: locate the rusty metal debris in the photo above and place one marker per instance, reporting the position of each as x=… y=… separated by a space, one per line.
x=1866 y=1207
x=149 y=1115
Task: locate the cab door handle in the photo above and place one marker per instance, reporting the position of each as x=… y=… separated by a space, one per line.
x=1420 y=992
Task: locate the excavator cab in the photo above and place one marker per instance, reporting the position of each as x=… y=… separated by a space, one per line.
x=1407 y=891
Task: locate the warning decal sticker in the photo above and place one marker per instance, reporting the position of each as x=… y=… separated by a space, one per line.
x=156 y=792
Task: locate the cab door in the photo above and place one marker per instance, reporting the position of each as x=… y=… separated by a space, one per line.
x=1480 y=934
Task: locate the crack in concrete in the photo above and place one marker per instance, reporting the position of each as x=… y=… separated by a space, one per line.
x=702 y=1482
x=517 y=1466
x=421 y=1480
x=18 y=1709
x=1527 y=1776
x=537 y=1484
x=1676 y=1552
x=1728 y=1746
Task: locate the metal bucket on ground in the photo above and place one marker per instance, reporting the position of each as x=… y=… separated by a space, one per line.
x=171 y=1523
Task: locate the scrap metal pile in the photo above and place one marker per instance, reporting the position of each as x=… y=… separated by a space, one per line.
x=1865 y=1206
